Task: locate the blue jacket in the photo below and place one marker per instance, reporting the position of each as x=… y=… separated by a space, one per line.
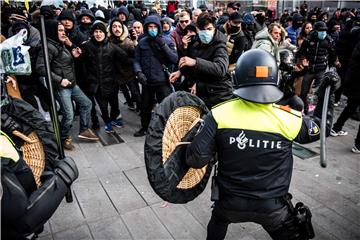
x=293 y=33
x=148 y=54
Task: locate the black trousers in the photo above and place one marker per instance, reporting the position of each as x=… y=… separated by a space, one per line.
x=134 y=89
x=235 y=210
x=147 y=98
x=104 y=100
x=350 y=108
x=306 y=85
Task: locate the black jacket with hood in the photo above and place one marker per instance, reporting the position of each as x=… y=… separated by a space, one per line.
x=99 y=59
x=149 y=56
x=61 y=60
x=320 y=53
x=213 y=82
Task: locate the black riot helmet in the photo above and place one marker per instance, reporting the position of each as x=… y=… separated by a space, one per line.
x=257 y=76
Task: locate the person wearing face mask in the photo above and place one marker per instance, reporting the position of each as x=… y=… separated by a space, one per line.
x=294 y=30
x=247 y=26
x=167 y=27
x=153 y=55
x=207 y=64
x=86 y=19
x=100 y=58
x=319 y=49
x=235 y=39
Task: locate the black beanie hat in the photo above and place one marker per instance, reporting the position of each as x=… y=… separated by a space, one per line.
x=98 y=25
x=67 y=14
x=235 y=16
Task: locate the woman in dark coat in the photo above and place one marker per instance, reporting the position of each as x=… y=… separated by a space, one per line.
x=207 y=64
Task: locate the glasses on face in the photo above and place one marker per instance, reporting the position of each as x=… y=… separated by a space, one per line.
x=184 y=21
x=236 y=22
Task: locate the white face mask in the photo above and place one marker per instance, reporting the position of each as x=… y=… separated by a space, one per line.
x=206 y=36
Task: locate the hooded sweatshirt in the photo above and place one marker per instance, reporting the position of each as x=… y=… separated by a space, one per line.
x=149 y=56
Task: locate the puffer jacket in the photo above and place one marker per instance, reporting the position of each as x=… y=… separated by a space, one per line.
x=320 y=53
x=99 y=60
x=213 y=82
x=61 y=64
x=149 y=56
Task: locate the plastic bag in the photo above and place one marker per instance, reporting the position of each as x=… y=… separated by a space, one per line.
x=15 y=57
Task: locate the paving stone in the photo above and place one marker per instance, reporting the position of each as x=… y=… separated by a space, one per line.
x=138 y=177
x=138 y=146
x=143 y=224
x=122 y=193
x=127 y=133
x=85 y=170
x=124 y=156
x=79 y=233
x=329 y=197
x=321 y=233
x=46 y=237
x=101 y=162
x=68 y=215
x=110 y=228
x=179 y=222
x=46 y=233
x=336 y=225
x=200 y=207
x=93 y=200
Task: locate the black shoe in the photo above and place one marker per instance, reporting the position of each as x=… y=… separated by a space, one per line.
x=140 y=133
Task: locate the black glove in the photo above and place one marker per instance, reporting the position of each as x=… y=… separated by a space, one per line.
x=8 y=125
x=160 y=41
x=330 y=78
x=141 y=78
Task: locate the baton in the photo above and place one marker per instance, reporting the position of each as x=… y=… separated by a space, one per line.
x=323 y=128
x=53 y=110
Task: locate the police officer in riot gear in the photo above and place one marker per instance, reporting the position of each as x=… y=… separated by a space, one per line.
x=253 y=139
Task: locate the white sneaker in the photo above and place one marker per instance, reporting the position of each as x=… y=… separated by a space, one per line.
x=339 y=133
x=355 y=149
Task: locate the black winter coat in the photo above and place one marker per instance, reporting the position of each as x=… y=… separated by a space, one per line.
x=61 y=64
x=213 y=82
x=236 y=42
x=320 y=53
x=352 y=79
x=99 y=65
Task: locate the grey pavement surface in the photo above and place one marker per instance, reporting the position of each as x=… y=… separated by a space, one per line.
x=113 y=198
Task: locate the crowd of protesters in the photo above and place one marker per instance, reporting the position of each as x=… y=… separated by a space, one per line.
x=149 y=52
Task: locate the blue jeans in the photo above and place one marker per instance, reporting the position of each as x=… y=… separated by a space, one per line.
x=66 y=96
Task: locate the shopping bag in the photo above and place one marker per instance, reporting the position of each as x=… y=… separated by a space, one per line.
x=15 y=57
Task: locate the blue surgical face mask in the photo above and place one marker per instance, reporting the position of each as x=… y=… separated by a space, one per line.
x=153 y=32
x=322 y=35
x=206 y=36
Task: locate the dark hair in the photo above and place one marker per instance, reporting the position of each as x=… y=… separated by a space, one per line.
x=205 y=19
x=302 y=31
